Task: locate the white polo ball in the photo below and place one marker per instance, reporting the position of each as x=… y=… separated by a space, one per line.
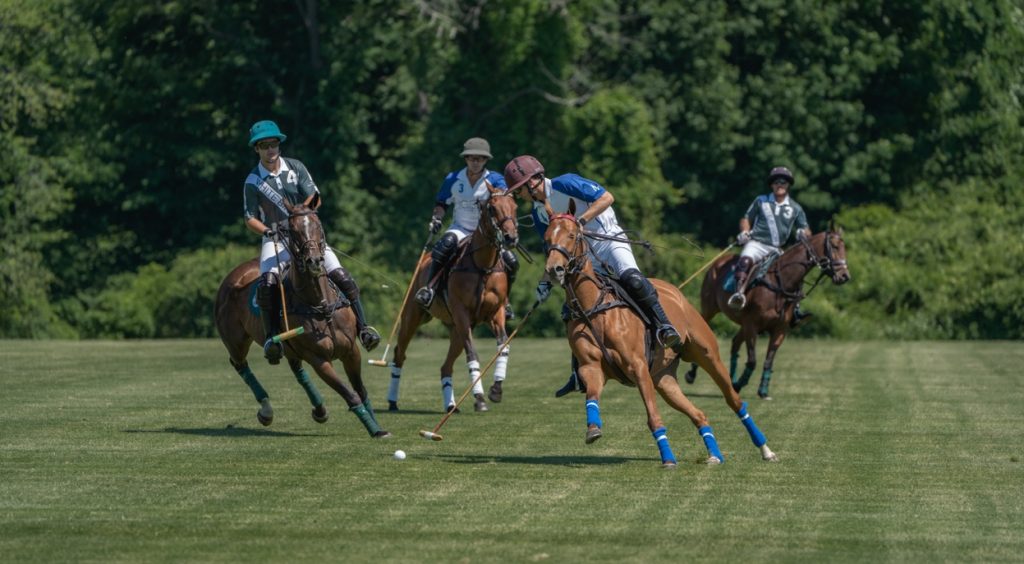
x=399 y=455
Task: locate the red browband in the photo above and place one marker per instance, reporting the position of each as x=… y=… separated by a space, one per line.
x=568 y=216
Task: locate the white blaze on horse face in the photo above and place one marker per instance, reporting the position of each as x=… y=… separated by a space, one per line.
x=557 y=262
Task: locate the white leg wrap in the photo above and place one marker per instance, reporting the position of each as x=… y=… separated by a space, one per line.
x=474 y=373
x=501 y=365
x=396 y=375
x=447 y=394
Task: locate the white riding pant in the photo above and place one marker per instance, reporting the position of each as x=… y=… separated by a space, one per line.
x=269 y=259
x=460 y=231
x=758 y=251
x=617 y=255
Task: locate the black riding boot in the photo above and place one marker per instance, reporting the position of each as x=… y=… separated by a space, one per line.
x=439 y=257
x=511 y=269
x=739 y=298
x=643 y=292
x=799 y=316
x=344 y=281
x=268 y=299
x=575 y=383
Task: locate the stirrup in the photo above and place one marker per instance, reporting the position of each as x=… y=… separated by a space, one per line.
x=668 y=337
x=272 y=351
x=509 y=314
x=425 y=296
x=369 y=337
x=738 y=300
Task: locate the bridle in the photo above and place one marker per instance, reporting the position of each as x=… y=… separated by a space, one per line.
x=827 y=263
x=573 y=263
x=303 y=251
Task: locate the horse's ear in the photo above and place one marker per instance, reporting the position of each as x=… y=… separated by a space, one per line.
x=288 y=206
x=572 y=206
x=832 y=224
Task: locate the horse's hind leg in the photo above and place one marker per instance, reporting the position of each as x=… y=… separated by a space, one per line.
x=265 y=415
x=411 y=319
x=637 y=372
x=355 y=403
x=747 y=334
x=315 y=399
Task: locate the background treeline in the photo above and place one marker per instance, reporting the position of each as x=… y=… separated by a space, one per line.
x=123 y=132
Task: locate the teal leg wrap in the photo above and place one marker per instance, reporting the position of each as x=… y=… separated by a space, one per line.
x=369 y=408
x=366 y=419
x=302 y=377
x=766 y=377
x=250 y=380
x=733 y=360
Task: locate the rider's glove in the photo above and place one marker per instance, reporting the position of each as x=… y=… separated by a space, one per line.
x=435 y=225
x=543 y=291
x=801 y=235
x=743 y=238
x=269 y=233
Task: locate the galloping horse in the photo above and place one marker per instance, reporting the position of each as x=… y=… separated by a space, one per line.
x=609 y=340
x=316 y=306
x=476 y=292
x=770 y=301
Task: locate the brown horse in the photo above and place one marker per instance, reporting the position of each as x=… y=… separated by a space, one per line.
x=315 y=305
x=476 y=291
x=771 y=301
x=609 y=340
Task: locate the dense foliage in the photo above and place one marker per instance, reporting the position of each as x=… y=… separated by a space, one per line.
x=124 y=126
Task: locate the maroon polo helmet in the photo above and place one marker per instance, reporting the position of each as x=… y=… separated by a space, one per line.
x=521 y=169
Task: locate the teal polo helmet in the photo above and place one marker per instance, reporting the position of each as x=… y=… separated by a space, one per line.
x=265 y=129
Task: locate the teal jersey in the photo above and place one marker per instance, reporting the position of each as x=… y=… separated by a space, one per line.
x=264 y=193
x=771 y=222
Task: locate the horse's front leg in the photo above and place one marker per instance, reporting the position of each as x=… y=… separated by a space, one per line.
x=501 y=364
x=749 y=333
x=778 y=335
x=637 y=371
x=590 y=372
x=325 y=369
x=668 y=386
x=315 y=399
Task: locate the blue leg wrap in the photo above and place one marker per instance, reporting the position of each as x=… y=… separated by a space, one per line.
x=755 y=434
x=593 y=414
x=661 y=438
x=302 y=377
x=253 y=383
x=709 y=441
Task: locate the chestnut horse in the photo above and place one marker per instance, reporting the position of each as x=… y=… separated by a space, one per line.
x=476 y=291
x=609 y=340
x=770 y=301
x=315 y=305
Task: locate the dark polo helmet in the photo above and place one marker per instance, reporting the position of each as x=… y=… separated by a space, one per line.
x=521 y=169
x=780 y=172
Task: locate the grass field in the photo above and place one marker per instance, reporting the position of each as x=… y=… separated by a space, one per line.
x=150 y=451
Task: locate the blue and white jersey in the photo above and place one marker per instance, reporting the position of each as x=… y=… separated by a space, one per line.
x=560 y=190
x=457 y=191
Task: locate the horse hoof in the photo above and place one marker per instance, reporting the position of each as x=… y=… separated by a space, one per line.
x=669 y=465
x=494 y=394
x=767 y=455
x=592 y=435
x=452 y=409
x=320 y=414
x=266 y=413
x=392 y=405
x=713 y=460
x=690 y=376
x=764 y=396
x=382 y=435
x=480 y=405
x=264 y=420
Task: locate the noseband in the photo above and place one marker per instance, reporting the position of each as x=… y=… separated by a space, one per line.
x=826 y=263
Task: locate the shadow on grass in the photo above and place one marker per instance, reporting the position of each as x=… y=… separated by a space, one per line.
x=229 y=431
x=550 y=460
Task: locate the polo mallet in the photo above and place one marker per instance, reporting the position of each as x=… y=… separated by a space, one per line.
x=398 y=317
x=433 y=435
x=288 y=334
x=709 y=263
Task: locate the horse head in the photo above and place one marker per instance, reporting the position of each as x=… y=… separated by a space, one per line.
x=828 y=252
x=306 y=241
x=498 y=215
x=566 y=246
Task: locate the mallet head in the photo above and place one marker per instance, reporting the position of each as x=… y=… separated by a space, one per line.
x=431 y=436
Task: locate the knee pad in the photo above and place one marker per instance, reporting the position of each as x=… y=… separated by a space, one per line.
x=345 y=283
x=445 y=247
x=634 y=282
x=744 y=264
x=511 y=264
